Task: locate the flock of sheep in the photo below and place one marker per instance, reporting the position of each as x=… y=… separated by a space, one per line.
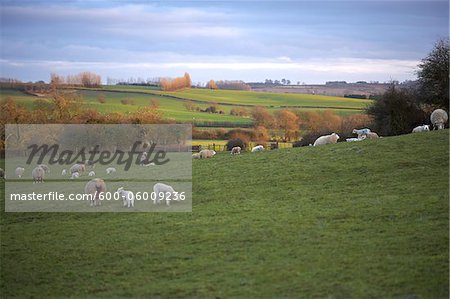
x=95 y=186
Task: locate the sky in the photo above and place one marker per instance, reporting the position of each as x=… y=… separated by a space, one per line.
x=303 y=41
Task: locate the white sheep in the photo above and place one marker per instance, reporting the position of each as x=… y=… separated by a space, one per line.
x=372 y=135
x=149 y=164
x=80 y=168
x=38 y=175
x=361 y=132
x=64 y=172
x=92 y=173
x=326 y=139
x=257 y=148
x=127 y=197
x=439 y=118
x=196 y=156
x=419 y=129
x=45 y=167
x=236 y=150
x=95 y=187
x=204 y=154
x=75 y=175
x=20 y=171
x=110 y=170
x=164 y=191
x=356 y=139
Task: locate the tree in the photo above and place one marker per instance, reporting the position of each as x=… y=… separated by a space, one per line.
x=287 y=121
x=211 y=85
x=262 y=117
x=433 y=76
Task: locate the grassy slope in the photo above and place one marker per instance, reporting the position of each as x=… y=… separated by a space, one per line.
x=367 y=219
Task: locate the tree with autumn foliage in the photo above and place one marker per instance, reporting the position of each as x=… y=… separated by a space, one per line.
x=169 y=84
x=211 y=84
x=287 y=121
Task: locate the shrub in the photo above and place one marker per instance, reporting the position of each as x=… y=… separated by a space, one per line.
x=236 y=142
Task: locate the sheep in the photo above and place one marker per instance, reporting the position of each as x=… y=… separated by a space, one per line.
x=438 y=118
x=91 y=173
x=356 y=139
x=63 y=172
x=127 y=196
x=75 y=175
x=361 y=132
x=372 y=135
x=2 y=173
x=80 y=168
x=143 y=158
x=326 y=139
x=45 y=167
x=167 y=191
x=257 y=148
x=95 y=187
x=419 y=129
x=110 y=170
x=38 y=175
x=149 y=164
x=196 y=156
x=20 y=171
x=236 y=150
x=204 y=154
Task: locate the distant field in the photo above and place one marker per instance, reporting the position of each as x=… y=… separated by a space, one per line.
x=171 y=104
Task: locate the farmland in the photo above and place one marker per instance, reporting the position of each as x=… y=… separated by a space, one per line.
x=172 y=104
x=351 y=220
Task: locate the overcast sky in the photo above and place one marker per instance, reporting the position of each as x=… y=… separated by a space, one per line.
x=310 y=42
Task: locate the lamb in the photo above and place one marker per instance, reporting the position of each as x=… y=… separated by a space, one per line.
x=196 y=156
x=75 y=175
x=204 y=154
x=372 y=135
x=326 y=139
x=257 y=148
x=91 y=173
x=110 y=170
x=163 y=191
x=63 y=172
x=361 y=132
x=95 y=187
x=45 y=167
x=20 y=171
x=80 y=168
x=438 y=118
x=236 y=150
x=127 y=196
x=356 y=139
x=422 y=128
x=38 y=175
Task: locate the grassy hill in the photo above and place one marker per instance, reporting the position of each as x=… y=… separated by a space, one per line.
x=352 y=220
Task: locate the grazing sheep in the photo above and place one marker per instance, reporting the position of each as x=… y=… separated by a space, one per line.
x=236 y=150
x=356 y=139
x=110 y=170
x=204 y=154
x=127 y=196
x=326 y=139
x=257 y=148
x=372 y=135
x=438 y=118
x=91 y=173
x=196 y=156
x=80 y=168
x=2 y=173
x=20 y=171
x=75 y=175
x=95 y=187
x=38 y=175
x=63 y=172
x=419 y=129
x=160 y=187
x=361 y=132
x=45 y=167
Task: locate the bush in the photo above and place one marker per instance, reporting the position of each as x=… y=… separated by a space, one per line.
x=236 y=142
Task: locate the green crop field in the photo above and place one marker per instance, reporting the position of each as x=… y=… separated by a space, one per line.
x=366 y=219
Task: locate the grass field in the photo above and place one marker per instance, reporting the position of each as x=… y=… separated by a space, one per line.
x=173 y=107
x=352 y=220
